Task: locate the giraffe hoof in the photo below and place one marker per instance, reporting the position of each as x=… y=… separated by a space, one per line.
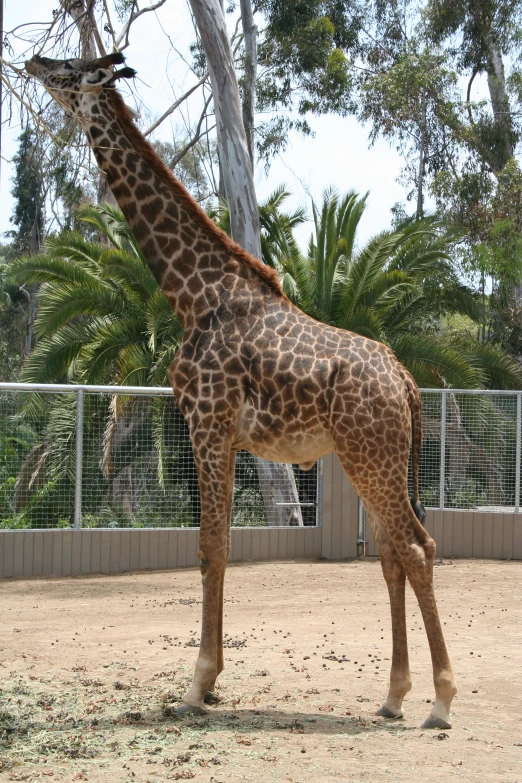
x=184 y=709
x=435 y=723
x=384 y=712
x=211 y=697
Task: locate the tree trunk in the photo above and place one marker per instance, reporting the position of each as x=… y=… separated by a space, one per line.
x=1 y=66
x=422 y=160
x=277 y=482
x=80 y=13
x=249 y=89
x=34 y=247
x=502 y=152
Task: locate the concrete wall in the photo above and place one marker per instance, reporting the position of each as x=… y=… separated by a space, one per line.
x=457 y=533
x=28 y=553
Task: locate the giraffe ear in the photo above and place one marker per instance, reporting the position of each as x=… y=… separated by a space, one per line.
x=124 y=73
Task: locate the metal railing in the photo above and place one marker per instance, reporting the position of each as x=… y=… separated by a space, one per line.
x=106 y=456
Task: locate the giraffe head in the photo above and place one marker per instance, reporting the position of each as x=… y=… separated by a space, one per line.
x=75 y=83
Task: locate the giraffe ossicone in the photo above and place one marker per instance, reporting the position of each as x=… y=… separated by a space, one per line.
x=254 y=372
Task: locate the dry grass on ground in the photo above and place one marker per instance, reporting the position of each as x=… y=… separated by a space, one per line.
x=87 y=665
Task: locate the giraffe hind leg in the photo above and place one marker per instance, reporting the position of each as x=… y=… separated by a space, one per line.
x=415 y=553
x=415 y=550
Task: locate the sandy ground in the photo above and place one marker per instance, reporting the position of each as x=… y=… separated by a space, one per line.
x=87 y=664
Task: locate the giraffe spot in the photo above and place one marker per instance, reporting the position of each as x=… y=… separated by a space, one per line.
x=234 y=366
x=284 y=378
x=211 y=276
x=145 y=172
x=130 y=210
x=184 y=301
x=173 y=280
x=285 y=362
x=276 y=406
x=221 y=406
x=186 y=237
x=151 y=209
x=158 y=269
x=269 y=366
x=112 y=173
x=305 y=391
x=132 y=160
x=172 y=210
x=306 y=339
x=140 y=229
x=194 y=284
x=149 y=250
x=210 y=363
x=167 y=226
x=144 y=191
x=211 y=298
x=171 y=246
x=205 y=406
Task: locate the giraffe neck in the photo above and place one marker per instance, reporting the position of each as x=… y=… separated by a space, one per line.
x=186 y=252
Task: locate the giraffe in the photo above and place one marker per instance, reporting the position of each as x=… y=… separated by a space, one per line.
x=254 y=372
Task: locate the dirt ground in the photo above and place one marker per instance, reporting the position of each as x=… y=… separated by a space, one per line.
x=87 y=665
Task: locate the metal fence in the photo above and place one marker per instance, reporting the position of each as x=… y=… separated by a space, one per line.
x=470 y=456
x=120 y=457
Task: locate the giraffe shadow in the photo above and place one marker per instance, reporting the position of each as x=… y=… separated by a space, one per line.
x=295 y=722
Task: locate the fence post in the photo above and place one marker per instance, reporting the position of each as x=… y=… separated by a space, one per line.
x=79 y=461
x=319 y=508
x=517 y=454
x=442 y=449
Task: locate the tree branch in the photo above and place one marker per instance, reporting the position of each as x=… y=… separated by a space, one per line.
x=126 y=28
x=194 y=140
x=468 y=96
x=109 y=22
x=249 y=86
x=175 y=104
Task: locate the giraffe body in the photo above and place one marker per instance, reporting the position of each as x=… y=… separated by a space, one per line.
x=254 y=372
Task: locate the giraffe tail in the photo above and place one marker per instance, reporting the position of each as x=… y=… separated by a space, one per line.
x=416 y=443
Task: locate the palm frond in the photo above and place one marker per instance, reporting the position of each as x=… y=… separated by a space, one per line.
x=433 y=363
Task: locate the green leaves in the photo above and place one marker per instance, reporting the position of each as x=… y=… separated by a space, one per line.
x=101 y=315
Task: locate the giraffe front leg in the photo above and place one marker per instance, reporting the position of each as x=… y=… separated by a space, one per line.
x=216 y=486
x=395 y=577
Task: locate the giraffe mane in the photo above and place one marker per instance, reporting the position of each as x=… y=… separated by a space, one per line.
x=142 y=146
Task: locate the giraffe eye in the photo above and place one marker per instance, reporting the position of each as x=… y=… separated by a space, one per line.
x=68 y=66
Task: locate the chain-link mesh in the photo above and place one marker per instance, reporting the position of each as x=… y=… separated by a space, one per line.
x=138 y=469
x=479 y=447
x=37 y=459
x=137 y=465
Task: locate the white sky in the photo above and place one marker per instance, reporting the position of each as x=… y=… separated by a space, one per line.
x=337 y=155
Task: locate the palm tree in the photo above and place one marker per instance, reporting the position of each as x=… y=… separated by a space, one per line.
x=395 y=289
x=101 y=315
x=102 y=319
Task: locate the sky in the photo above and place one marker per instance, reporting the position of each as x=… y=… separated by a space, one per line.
x=337 y=155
